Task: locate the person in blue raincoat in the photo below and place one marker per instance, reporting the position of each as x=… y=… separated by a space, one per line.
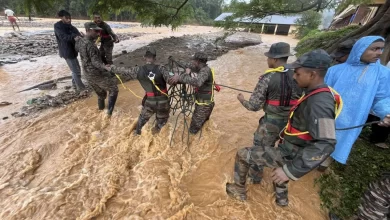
x=363 y=84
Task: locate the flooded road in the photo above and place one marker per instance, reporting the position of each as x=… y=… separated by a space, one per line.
x=74 y=163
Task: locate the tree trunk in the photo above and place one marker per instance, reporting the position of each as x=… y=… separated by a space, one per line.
x=375 y=26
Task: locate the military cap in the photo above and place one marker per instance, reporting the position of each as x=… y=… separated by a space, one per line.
x=91 y=25
x=316 y=59
x=150 y=51
x=278 y=50
x=200 y=56
x=344 y=48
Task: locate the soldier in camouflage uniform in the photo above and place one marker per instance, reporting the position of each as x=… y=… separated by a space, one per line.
x=107 y=39
x=204 y=84
x=275 y=93
x=94 y=69
x=309 y=135
x=375 y=202
x=153 y=78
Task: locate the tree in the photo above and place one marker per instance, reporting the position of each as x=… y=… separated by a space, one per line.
x=379 y=25
x=309 y=21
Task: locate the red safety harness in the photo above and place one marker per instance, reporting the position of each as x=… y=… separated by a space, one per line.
x=304 y=135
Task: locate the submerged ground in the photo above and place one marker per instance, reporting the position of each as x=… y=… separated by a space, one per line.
x=74 y=163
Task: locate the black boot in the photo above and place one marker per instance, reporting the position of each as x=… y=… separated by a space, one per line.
x=101 y=104
x=141 y=122
x=111 y=103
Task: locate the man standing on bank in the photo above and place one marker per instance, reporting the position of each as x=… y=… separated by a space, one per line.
x=107 y=39
x=66 y=35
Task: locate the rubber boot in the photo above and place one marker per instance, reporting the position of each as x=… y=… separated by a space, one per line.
x=281 y=193
x=101 y=104
x=236 y=191
x=111 y=103
x=141 y=122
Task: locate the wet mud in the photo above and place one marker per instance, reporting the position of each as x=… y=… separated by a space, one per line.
x=74 y=163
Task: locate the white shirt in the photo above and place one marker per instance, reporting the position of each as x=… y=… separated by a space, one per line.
x=9 y=12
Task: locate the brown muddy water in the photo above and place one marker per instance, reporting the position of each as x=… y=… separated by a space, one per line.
x=74 y=163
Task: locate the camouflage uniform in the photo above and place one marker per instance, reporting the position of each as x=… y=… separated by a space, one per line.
x=296 y=156
x=376 y=201
x=107 y=42
x=95 y=73
x=203 y=81
x=154 y=102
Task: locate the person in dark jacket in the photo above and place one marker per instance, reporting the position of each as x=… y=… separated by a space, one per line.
x=153 y=79
x=66 y=34
x=309 y=137
x=107 y=39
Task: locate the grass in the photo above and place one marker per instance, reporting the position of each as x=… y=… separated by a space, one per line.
x=342 y=187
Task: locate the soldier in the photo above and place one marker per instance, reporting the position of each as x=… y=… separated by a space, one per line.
x=204 y=82
x=276 y=93
x=94 y=69
x=153 y=78
x=107 y=38
x=309 y=137
x=375 y=201
x=343 y=50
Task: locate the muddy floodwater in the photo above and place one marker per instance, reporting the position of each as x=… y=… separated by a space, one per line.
x=74 y=163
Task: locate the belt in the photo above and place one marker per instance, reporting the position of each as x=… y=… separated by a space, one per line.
x=152 y=94
x=277 y=102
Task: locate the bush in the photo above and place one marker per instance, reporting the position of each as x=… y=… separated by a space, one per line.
x=342 y=188
x=319 y=40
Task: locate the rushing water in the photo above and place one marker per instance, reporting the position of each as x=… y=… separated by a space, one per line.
x=74 y=163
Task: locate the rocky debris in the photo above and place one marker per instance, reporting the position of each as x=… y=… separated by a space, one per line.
x=182 y=48
x=18 y=46
x=50 y=86
x=48 y=101
x=5 y=103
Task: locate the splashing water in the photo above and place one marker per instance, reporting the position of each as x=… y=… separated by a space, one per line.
x=74 y=163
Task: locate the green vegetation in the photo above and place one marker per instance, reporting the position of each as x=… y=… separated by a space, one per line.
x=321 y=40
x=309 y=21
x=149 y=12
x=342 y=188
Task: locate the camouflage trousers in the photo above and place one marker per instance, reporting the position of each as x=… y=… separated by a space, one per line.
x=200 y=116
x=250 y=161
x=103 y=84
x=160 y=108
x=106 y=49
x=376 y=201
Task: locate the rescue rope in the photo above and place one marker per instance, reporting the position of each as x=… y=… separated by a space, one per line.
x=358 y=126
x=234 y=88
x=123 y=85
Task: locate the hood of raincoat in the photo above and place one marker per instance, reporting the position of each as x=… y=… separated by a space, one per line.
x=363 y=88
x=359 y=48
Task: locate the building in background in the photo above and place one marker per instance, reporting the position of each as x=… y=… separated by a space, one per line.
x=357 y=14
x=274 y=24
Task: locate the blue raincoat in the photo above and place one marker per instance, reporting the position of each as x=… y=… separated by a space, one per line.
x=363 y=88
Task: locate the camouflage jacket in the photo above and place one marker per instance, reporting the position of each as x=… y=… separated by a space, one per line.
x=107 y=32
x=203 y=81
x=270 y=87
x=90 y=58
x=317 y=116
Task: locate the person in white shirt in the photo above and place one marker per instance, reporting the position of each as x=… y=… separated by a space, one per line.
x=11 y=17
